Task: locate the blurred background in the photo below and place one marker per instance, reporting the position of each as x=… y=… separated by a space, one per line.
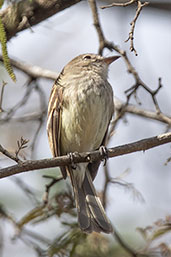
x=51 y=45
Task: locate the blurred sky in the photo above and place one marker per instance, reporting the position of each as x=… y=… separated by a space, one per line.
x=51 y=45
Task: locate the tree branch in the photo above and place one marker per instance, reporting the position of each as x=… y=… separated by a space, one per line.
x=133 y=109
x=32 y=70
x=102 y=41
x=25 y=13
x=141 y=145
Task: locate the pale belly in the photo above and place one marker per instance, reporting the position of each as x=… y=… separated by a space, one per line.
x=85 y=120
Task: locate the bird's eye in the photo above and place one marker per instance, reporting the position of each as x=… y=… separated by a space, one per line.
x=86 y=57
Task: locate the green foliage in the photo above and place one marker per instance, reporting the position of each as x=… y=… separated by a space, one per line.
x=3 y=41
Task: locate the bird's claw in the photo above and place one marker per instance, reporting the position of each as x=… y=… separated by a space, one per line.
x=71 y=157
x=104 y=154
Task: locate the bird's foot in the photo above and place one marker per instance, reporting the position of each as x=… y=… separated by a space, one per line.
x=104 y=154
x=71 y=157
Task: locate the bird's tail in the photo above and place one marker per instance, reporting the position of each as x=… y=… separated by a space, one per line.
x=91 y=214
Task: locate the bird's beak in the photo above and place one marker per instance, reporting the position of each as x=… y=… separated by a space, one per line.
x=109 y=60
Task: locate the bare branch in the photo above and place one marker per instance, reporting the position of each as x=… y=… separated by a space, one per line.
x=167 y=161
x=28 y=191
x=1 y=95
x=22 y=144
x=141 y=145
x=48 y=186
x=106 y=44
x=131 y=33
x=139 y=83
x=43 y=108
x=118 y=4
x=139 y=9
x=129 y=187
x=32 y=70
x=121 y=109
x=102 y=41
x=8 y=115
x=9 y=155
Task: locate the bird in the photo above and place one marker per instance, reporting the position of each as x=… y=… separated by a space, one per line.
x=79 y=113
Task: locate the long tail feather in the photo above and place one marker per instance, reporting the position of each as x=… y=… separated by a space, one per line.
x=91 y=214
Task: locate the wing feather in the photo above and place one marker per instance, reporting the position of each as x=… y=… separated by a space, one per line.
x=54 y=121
x=93 y=166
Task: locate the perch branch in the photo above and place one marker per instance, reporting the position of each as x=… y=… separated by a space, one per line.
x=141 y=145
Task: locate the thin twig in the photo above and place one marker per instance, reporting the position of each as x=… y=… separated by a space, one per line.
x=138 y=10
x=43 y=108
x=139 y=83
x=28 y=191
x=106 y=184
x=9 y=155
x=131 y=33
x=22 y=144
x=48 y=186
x=1 y=95
x=21 y=103
x=118 y=4
x=129 y=187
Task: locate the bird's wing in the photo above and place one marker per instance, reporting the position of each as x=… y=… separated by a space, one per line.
x=93 y=166
x=54 y=120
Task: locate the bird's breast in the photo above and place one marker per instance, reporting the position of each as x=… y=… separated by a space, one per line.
x=86 y=113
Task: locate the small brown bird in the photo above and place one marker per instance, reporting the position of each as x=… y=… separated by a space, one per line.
x=79 y=112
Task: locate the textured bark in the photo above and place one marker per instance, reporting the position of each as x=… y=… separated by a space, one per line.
x=141 y=145
x=26 y=13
